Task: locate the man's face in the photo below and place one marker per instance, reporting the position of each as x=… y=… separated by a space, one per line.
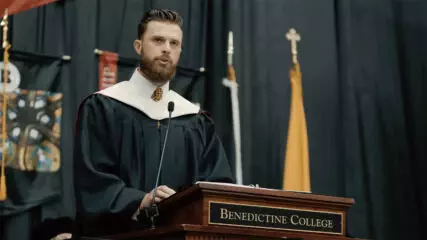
x=159 y=49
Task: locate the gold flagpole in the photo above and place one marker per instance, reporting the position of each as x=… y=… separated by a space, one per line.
x=6 y=47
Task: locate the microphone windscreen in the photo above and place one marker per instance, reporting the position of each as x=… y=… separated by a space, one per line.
x=171 y=106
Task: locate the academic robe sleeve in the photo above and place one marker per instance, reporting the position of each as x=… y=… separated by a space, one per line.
x=99 y=191
x=215 y=166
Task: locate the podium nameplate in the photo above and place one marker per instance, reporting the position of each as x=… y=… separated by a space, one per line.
x=277 y=218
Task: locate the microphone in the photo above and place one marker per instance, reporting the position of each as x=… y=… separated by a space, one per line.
x=152 y=212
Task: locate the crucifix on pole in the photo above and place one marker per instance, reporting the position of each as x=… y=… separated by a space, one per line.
x=294 y=37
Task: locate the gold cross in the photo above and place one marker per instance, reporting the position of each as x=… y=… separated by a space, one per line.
x=294 y=37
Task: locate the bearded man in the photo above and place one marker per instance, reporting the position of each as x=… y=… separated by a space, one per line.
x=120 y=133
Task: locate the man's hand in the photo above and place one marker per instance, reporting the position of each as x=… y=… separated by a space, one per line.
x=162 y=193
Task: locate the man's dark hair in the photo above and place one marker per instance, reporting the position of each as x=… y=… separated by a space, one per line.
x=161 y=15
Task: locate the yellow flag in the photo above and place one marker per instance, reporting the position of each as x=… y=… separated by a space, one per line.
x=297 y=165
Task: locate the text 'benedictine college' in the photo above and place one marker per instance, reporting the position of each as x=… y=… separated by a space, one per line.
x=309 y=220
x=273 y=219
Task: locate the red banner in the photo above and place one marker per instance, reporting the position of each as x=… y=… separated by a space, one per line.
x=15 y=6
x=107 y=69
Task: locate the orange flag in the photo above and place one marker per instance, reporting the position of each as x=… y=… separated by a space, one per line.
x=297 y=164
x=15 y=6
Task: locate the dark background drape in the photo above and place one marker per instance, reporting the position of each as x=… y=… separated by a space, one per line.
x=363 y=65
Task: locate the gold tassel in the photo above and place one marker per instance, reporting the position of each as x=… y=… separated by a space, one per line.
x=231 y=73
x=3 y=192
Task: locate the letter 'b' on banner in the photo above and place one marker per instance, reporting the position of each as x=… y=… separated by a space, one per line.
x=107 y=69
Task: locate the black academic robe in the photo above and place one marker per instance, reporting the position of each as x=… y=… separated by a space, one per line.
x=116 y=157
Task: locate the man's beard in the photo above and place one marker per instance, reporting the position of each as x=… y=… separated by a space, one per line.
x=156 y=72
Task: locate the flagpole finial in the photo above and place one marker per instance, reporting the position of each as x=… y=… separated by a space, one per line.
x=294 y=37
x=4 y=24
x=230 y=48
x=6 y=14
x=231 y=75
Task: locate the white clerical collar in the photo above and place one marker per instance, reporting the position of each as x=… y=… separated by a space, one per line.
x=137 y=93
x=145 y=86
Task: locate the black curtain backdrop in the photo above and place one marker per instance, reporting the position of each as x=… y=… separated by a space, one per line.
x=382 y=63
x=363 y=64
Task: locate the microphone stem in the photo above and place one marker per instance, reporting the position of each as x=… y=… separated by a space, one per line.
x=152 y=211
x=160 y=164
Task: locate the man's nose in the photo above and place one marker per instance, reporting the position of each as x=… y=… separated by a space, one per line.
x=167 y=47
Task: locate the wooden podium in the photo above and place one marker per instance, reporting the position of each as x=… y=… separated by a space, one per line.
x=225 y=211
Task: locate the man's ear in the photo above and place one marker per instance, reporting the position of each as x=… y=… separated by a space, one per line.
x=137 y=44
